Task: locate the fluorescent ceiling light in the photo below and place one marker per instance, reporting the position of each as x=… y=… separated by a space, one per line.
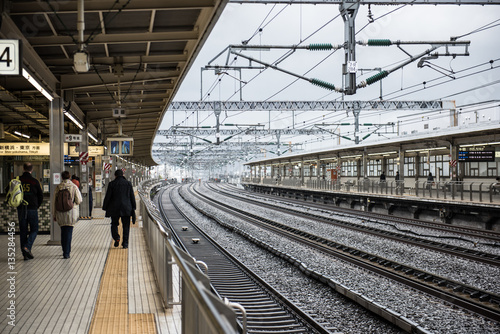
x=382 y=153
x=92 y=137
x=35 y=84
x=21 y=134
x=428 y=149
x=351 y=156
x=482 y=144
x=74 y=120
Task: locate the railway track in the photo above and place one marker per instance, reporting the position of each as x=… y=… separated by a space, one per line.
x=267 y=311
x=493 y=236
x=466 y=253
x=466 y=297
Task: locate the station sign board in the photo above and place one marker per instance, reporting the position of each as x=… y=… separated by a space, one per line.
x=72 y=138
x=11 y=59
x=476 y=155
x=24 y=149
x=93 y=151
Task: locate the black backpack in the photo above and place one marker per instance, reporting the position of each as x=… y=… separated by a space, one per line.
x=63 y=201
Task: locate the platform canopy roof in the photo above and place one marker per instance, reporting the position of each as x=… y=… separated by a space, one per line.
x=139 y=52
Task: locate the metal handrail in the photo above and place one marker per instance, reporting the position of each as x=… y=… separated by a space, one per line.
x=214 y=315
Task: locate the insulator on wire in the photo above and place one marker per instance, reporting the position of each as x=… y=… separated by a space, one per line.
x=379 y=42
x=323 y=84
x=374 y=78
x=320 y=47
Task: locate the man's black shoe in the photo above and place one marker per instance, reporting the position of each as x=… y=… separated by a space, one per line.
x=117 y=242
x=125 y=246
x=28 y=253
x=66 y=256
x=25 y=258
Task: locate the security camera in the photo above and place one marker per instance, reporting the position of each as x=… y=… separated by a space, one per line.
x=81 y=61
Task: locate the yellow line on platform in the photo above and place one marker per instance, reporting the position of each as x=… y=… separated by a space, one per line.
x=111 y=310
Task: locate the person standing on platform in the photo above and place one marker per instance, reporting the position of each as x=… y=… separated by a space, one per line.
x=430 y=181
x=397 y=178
x=91 y=199
x=67 y=219
x=382 y=181
x=28 y=214
x=496 y=186
x=119 y=202
x=382 y=177
x=75 y=180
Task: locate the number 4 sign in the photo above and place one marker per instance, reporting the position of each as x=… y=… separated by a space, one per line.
x=10 y=57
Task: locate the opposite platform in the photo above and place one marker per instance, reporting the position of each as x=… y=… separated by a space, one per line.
x=50 y=294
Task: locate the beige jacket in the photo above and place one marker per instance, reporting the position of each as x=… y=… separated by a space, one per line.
x=68 y=218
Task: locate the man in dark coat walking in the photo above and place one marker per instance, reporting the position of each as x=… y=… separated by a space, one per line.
x=119 y=202
x=28 y=214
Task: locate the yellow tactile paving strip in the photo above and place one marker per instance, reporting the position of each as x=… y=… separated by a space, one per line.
x=111 y=310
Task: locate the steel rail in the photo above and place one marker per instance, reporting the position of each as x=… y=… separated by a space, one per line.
x=493 y=236
x=466 y=297
x=267 y=310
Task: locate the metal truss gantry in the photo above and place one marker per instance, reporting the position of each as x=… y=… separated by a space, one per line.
x=355 y=106
x=303 y=105
x=231 y=145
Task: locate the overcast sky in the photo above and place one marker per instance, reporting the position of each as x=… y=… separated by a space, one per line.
x=300 y=24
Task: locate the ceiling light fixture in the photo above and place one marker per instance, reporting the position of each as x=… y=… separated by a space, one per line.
x=73 y=119
x=92 y=137
x=35 y=84
x=21 y=134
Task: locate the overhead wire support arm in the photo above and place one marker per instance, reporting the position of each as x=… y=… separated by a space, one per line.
x=434 y=45
x=332 y=132
x=190 y=134
x=388 y=42
x=311 y=47
x=316 y=82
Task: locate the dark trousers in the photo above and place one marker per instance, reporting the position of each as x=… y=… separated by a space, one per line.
x=66 y=236
x=115 y=221
x=28 y=226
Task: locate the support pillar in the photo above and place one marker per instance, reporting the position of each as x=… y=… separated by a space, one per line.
x=401 y=164
x=301 y=170
x=348 y=11
x=454 y=157
x=318 y=169
x=84 y=175
x=365 y=164
x=56 y=128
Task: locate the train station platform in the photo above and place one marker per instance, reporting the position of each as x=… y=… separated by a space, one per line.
x=466 y=206
x=100 y=289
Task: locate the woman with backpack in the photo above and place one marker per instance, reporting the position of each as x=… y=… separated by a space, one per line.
x=66 y=199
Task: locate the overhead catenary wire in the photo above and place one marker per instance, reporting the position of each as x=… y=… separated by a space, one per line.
x=436 y=79
x=439 y=83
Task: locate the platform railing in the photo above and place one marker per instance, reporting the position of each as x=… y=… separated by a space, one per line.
x=202 y=310
x=448 y=190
